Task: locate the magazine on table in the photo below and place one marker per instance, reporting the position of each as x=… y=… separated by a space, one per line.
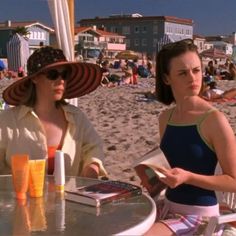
x=147 y=168
x=103 y=192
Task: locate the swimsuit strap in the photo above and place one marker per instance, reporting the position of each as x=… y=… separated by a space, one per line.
x=171 y=114
x=205 y=115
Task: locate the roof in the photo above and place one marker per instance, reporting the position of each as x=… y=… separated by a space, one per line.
x=197 y=36
x=126 y=18
x=97 y=31
x=15 y=24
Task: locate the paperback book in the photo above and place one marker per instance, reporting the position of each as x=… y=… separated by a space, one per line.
x=104 y=192
x=148 y=169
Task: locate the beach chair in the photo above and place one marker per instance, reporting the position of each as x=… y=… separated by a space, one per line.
x=226 y=218
x=227 y=203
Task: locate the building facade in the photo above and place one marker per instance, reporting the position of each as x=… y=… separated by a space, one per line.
x=143 y=32
x=39 y=34
x=93 y=39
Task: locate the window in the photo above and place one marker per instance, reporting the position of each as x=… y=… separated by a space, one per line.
x=155 y=29
x=136 y=29
x=144 y=42
x=114 y=29
x=188 y=32
x=43 y=35
x=155 y=42
x=31 y=36
x=125 y=30
x=201 y=45
x=34 y=35
x=136 y=42
x=127 y=42
x=144 y=29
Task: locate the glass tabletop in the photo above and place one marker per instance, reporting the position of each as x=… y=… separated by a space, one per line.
x=53 y=215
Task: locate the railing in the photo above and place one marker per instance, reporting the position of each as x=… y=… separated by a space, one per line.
x=101 y=45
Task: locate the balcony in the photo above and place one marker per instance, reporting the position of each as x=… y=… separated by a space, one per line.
x=113 y=46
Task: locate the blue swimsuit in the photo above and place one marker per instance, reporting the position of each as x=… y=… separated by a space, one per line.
x=184 y=147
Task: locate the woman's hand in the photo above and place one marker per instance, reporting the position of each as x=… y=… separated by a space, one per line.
x=91 y=171
x=174 y=177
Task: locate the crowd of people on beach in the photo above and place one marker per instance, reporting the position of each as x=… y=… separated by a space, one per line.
x=124 y=72
x=226 y=71
x=5 y=73
x=214 y=73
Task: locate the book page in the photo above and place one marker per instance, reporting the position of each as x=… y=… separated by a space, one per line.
x=154 y=160
x=148 y=174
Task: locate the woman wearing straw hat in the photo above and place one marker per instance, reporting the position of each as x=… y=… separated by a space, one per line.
x=41 y=121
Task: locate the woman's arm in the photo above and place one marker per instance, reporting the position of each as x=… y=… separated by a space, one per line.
x=92 y=151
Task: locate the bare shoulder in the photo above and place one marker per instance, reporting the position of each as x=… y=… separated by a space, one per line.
x=163 y=120
x=217 y=123
x=216 y=117
x=164 y=115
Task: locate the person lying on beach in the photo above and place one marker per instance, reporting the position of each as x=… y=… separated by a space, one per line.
x=194 y=136
x=42 y=122
x=214 y=94
x=109 y=80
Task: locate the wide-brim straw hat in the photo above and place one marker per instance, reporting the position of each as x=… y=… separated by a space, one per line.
x=84 y=77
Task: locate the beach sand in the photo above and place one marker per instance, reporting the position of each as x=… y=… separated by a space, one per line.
x=128 y=123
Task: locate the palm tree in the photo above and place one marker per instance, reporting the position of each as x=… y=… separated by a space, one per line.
x=21 y=30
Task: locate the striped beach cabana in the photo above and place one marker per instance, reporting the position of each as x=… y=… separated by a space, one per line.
x=17 y=52
x=164 y=40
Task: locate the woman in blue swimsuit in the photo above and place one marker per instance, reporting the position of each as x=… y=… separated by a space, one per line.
x=194 y=137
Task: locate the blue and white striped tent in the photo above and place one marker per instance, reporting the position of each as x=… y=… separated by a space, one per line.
x=164 y=40
x=17 y=52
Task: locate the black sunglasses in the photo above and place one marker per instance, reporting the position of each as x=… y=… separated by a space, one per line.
x=54 y=74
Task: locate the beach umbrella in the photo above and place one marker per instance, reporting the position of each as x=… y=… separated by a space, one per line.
x=62 y=20
x=214 y=53
x=17 y=52
x=163 y=41
x=127 y=55
x=62 y=12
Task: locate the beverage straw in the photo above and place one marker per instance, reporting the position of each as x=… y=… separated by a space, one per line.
x=59 y=172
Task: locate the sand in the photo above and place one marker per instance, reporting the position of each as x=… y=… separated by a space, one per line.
x=128 y=123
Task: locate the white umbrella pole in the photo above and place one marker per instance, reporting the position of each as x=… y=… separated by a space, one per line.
x=62 y=12
x=61 y=19
x=71 y=8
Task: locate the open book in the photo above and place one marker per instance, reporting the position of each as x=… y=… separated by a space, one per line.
x=103 y=192
x=147 y=168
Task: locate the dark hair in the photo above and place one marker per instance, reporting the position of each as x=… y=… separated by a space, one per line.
x=212 y=85
x=30 y=96
x=164 y=56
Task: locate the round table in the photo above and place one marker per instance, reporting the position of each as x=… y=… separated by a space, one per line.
x=53 y=215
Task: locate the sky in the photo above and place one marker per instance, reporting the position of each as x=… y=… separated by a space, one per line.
x=211 y=17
